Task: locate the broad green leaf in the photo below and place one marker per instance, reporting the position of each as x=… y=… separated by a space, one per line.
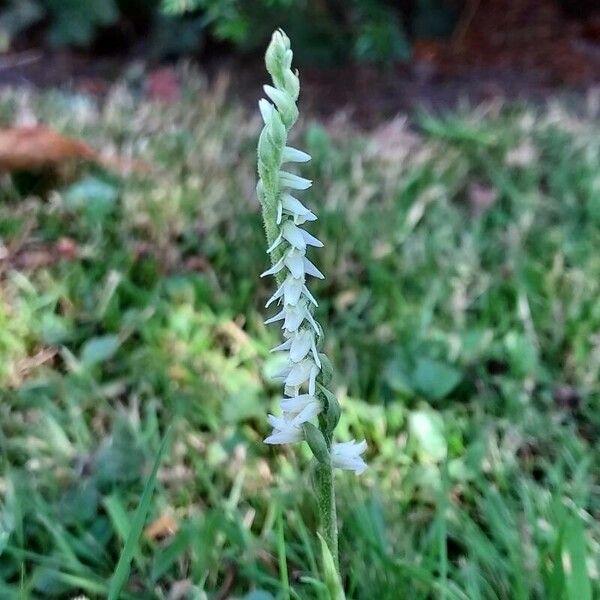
x=435 y=379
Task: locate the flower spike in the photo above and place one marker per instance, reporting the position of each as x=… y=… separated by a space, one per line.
x=307 y=372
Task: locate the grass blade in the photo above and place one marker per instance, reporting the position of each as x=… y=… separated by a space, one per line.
x=122 y=570
x=283 y=572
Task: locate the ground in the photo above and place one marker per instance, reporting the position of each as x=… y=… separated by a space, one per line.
x=500 y=49
x=461 y=308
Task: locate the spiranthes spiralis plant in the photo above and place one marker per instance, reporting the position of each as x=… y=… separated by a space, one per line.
x=306 y=397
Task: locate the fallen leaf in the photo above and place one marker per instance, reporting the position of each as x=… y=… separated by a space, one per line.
x=39 y=147
x=163 y=527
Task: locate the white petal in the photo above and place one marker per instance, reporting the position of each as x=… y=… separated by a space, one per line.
x=310 y=411
x=279 y=292
x=308 y=316
x=294 y=261
x=276 y=243
x=301 y=219
x=280 y=316
x=294 y=235
x=301 y=345
x=295 y=404
x=315 y=352
x=294 y=315
x=274 y=269
x=279 y=212
x=292 y=289
x=310 y=269
x=285 y=346
x=293 y=204
x=285 y=432
x=309 y=295
x=348 y=456
x=282 y=374
x=294 y=207
x=300 y=372
x=311 y=240
x=294 y=155
x=294 y=182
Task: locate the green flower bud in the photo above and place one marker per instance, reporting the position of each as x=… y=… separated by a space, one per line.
x=291 y=84
x=331 y=408
x=284 y=103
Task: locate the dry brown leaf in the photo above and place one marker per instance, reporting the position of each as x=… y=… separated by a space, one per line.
x=37 y=147
x=164 y=526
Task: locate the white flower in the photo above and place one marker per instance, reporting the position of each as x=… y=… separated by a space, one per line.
x=298 y=374
x=294 y=182
x=297 y=237
x=293 y=207
x=294 y=316
x=309 y=411
x=284 y=431
x=297 y=264
x=300 y=343
x=296 y=404
x=347 y=455
x=294 y=155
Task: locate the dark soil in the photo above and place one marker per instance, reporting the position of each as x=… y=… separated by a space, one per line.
x=529 y=49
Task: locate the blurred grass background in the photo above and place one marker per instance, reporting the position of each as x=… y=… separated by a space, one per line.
x=461 y=308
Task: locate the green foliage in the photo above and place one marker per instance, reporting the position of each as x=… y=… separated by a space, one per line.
x=74 y=23
x=327 y=32
x=464 y=339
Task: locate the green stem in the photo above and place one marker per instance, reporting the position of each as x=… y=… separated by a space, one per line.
x=327 y=513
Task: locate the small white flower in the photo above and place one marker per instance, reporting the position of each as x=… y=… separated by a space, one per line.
x=290 y=290
x=293 y=207
x=301 y=373
x=297 y=264
x=299 y=344
x=296 y=404
x=294 y=182
x=307 y=413
x=294 y=316
x=299 y=238
x=347 y=455
x=284 y=431
x=294 y=155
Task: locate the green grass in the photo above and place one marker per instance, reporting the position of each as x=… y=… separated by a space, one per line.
x=462 y=310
